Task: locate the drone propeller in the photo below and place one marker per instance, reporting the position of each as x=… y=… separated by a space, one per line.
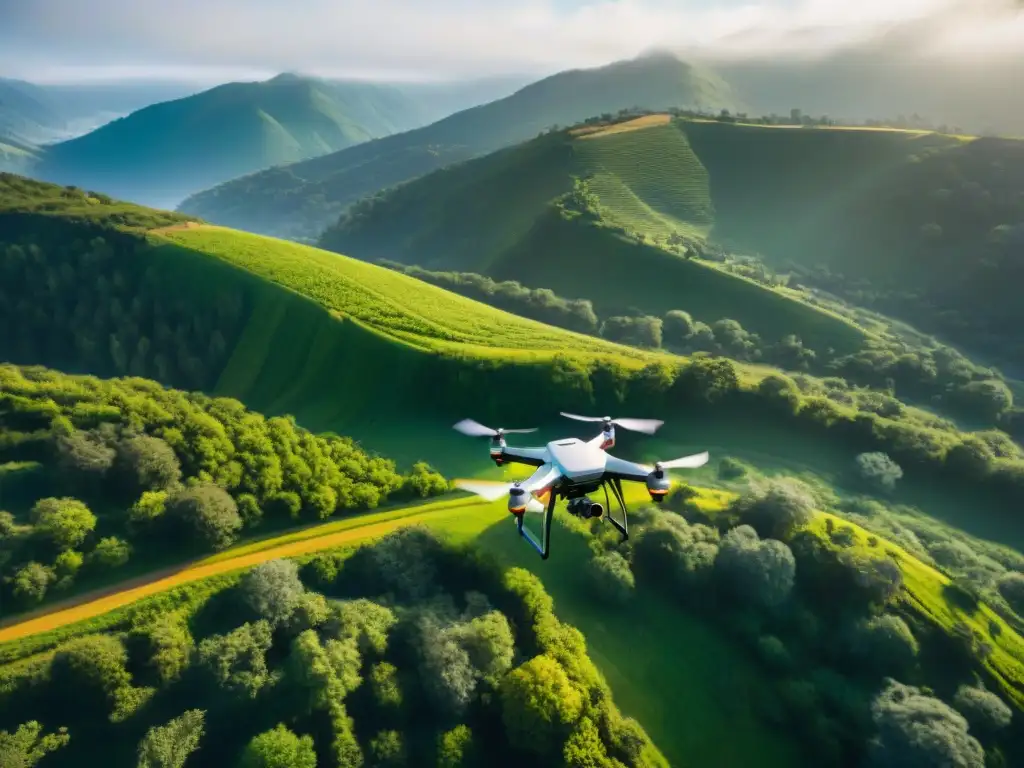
x=647 y=426
x=492 y=491
x=685 y=462
x=476 y=429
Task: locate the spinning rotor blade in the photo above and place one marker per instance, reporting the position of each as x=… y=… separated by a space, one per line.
x=476 y=429
x=647 y=426
x=487 y=490
x=686 y=462
x=581 y=418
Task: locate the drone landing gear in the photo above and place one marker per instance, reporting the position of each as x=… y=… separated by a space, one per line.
x=622 y=527
x=543 y=546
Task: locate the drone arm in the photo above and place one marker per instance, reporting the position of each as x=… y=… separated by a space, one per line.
x=621 y=469
x=534 y=457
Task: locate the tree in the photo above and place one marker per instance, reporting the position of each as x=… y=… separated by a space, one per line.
x=385 y=685
x=205 y=512
x=272 y=590
x=168 y=746
x=84 y=458
x=91 y=671
x=237 y=661
x=915 y=730
x=488 y=642
x=456 y=748
x=986 y=713
x=279 y=748
x=64 y=522
x=611 y=577
x=387 y=750
x=879 y=470
x=884 y=644
x=776 y=507
x=146 y=463
x=446 y=672
x=1011 y=587
x=423 y=481
x=761 y=572
x=110 y=552
x=31 y=582
x=27 y=746
x=677 y=327
x=365 y=622
x=539 y=705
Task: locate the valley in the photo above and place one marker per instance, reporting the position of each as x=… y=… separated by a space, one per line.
x=184 y=405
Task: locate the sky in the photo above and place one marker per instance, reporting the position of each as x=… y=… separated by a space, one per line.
x=218 y=40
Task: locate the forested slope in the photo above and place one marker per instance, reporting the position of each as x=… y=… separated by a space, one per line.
x=406 y=651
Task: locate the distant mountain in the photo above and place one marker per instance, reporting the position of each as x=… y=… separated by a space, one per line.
x=27 y=116
x=300 y=200
x=164 y=152
x=440 y=99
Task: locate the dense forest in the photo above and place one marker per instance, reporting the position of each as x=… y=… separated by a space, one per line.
x=97 y=475
x=859 y=671
x=406 y=652
x=891 y=368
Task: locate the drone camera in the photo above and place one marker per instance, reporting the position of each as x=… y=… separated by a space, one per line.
x=584 y=508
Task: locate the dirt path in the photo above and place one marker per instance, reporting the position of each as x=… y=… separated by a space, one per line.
x=107 y=599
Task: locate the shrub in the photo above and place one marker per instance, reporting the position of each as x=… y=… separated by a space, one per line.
x=776 y=507
x=146 y=463
x=985 y=712
x=63 y=522
x=884 y=644
x=272 y=590
x=1011 y=587
x=915 y=729
x=611 y=577
x=279 y=748
x=761 y=572
x=205 y=512
x=879 y=470
x=109 y=553
x=168 y=746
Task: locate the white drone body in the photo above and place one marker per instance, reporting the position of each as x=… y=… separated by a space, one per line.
x=571 y=468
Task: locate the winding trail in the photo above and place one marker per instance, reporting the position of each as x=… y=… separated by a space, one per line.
x=293 y=543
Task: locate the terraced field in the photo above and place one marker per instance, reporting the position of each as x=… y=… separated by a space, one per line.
x=647 y=175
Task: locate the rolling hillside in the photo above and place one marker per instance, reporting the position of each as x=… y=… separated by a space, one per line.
x=299 y=200
x=164 y=152
x=497 y=215
x=283 y=327
x=918 y=225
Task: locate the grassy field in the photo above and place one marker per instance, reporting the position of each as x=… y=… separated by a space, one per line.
x=387 y=302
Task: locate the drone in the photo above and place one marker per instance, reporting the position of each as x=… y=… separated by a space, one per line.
x=571 y=469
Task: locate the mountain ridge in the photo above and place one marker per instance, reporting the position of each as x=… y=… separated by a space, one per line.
x=313 y=192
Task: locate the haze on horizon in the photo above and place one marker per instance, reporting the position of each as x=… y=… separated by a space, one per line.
x=49 y=41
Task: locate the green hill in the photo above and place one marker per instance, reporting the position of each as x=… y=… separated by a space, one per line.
x=164 y=152
x=926 y=227
x=497 y=215
x=283 y=327
x=921 y=226
x=299 y=200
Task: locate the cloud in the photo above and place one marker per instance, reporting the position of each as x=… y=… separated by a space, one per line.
x=446 y=38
